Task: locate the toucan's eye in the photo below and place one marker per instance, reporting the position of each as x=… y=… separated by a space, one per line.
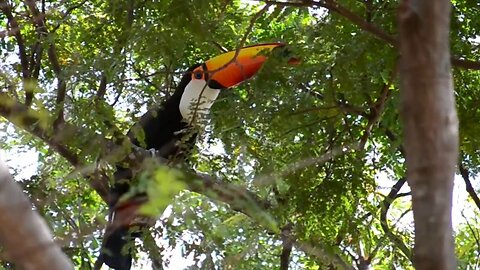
x=198 y=75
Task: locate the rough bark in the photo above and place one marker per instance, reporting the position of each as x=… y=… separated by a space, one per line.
x=24 y=234
x=430 y=127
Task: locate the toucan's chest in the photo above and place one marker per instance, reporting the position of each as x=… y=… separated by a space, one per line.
x=163 y=130
x=173 y=126
x=196 y=100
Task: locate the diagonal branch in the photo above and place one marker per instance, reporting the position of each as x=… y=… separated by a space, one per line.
x=237 y=197
x=357 y=20
x=468 y=184
x=37 y=124
x=102 y=87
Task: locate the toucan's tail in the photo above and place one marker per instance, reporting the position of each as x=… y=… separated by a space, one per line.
x=118 y=241
x=114 y=252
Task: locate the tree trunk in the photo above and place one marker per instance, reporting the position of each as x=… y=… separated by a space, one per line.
x=430 y=127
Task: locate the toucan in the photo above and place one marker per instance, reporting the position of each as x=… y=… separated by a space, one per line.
x=171 y=128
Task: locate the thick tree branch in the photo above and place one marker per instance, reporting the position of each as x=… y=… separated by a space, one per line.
x=322 y=254
x=24 y=234
x=237 y=197
x=36 y=123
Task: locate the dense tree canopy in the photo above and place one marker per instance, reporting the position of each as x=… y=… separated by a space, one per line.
x=307 y=158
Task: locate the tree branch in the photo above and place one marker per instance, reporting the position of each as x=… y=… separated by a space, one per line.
x=237 y=197
x=15 y=30
x=36 y=123
x=102 y=87
x=367 y=26
x=24 y=234
x=385 y=206
x=468 y=184
x=39 y=19
x=287 y=245
x=67 y=13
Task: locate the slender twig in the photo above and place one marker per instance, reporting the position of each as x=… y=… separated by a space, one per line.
x=308 y=162
x=474 y=232
x=66 y=14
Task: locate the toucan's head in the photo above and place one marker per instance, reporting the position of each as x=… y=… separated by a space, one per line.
x=205 y=81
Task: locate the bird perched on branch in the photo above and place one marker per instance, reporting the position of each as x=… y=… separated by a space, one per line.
x=171 y=131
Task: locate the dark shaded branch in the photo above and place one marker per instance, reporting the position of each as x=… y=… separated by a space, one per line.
x=37 y=51
x=35 y=63
x=39 y=19
x=467 y=64
x=287 y=245
x=468 y=184
x=376 y=110
x=24 y=234
x=15 y=30
x=102 y=87
x=145 y=77
x=392 y=195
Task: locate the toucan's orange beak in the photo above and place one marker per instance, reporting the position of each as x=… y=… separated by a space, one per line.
x=232 y=68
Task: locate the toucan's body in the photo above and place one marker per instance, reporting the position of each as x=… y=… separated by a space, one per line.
x=161 y=129
x=170 y=129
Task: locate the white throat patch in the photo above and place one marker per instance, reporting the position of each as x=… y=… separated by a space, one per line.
x=197 y=99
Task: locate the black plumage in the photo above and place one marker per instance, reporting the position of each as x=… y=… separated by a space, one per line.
x=164 y=130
